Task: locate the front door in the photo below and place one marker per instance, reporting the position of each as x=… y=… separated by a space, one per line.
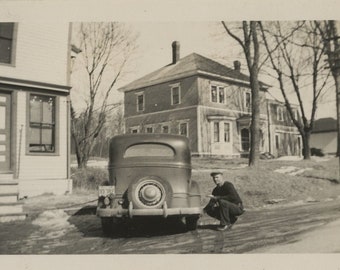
x=5 y=132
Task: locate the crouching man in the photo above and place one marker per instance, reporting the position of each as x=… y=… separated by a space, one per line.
x=225 y=204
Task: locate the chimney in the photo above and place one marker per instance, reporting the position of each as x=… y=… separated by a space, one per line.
x=175 y=52
x=237 y=65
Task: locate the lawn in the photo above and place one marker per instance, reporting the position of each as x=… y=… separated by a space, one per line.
x=311 y=180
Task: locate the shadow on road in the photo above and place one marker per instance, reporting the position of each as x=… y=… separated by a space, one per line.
x=86 y=221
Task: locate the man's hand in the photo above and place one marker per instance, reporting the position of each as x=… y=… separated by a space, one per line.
x=212 y=197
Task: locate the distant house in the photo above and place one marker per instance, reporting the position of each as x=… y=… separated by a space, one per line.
x=34 y=109
x=324 y=135
x=209 y=103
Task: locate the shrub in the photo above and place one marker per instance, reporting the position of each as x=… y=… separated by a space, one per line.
x=89 y=178
x=316 y=152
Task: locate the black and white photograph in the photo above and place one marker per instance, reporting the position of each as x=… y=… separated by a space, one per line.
x=195 y=136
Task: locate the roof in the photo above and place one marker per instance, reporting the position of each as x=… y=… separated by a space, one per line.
x=193 y=64
x=325 y=125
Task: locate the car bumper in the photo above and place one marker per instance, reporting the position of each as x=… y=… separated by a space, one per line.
x=165 y=212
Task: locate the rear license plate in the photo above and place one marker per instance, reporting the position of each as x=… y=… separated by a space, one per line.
x=106 y=190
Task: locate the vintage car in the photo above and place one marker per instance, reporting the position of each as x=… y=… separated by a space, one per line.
x=149 y=175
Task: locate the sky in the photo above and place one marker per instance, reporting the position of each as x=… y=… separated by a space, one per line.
x=206 y=38
x=194 y=23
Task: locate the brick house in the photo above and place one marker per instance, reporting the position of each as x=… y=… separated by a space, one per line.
x=210 y=103
x=34 y=119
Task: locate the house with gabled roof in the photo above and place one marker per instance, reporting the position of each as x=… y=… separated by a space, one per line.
x=202 y=99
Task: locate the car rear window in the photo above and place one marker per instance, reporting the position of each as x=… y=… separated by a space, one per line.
x=149 y=150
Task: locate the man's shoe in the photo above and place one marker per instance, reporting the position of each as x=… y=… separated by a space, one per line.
x=224 y=227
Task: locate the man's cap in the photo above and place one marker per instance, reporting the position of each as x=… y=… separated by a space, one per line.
x=215 y=173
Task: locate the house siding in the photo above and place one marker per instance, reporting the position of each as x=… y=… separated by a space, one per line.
x=170 y=118
x=40 y=66
x=158 y=97
x=40 y=53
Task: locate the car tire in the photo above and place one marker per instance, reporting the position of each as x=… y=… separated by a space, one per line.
x=191 y=222
x=161 y=187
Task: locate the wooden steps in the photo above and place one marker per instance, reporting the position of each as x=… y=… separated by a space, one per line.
x=10 y=208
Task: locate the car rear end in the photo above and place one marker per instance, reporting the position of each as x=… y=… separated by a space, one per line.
x=149 y=175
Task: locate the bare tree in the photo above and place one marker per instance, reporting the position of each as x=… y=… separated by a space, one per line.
x=296 y=56
x=330 y=37
x=251 y=48
x=106 y=48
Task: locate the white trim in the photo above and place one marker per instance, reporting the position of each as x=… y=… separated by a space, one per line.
x=185 y=75
x=218 y=88
x=35 y=86
x=221 y=118
x=287 y=132
x=194 y=106
x=165 y=111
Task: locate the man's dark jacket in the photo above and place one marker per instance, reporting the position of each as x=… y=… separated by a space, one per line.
x=227 y=192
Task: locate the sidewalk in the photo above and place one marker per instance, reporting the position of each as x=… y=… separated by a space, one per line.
x=322 y=240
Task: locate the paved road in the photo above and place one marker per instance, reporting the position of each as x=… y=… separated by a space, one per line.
x=57 y=232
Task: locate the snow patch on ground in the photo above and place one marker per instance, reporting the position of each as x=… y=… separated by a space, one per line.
x=53 y=220
x=291 y=170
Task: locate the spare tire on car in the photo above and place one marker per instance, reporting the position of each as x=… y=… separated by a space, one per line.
x=149 y=192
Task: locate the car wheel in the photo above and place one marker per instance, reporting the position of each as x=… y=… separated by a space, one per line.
x=149 y=192
x=108 y=225
x=191 y=222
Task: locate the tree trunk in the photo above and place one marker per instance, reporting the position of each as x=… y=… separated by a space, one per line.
x=306 y=147
x=255 y=123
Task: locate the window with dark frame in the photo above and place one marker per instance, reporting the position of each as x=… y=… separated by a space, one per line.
x=277 y=141
x=183 y=129
x=226 y=132
x=247 y=100
x=279 y=113
x=216 y=131
x=41 y=135
x=165 y=129
x=6 y=42
x=213 y=93
x=221 y=95
x=175 y=95
x=149 y=130
x=140 y=102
